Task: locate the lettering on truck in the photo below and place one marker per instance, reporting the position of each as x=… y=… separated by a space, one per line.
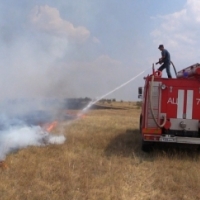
x=172 y=100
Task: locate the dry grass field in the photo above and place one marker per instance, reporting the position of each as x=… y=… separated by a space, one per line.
x=101 y=160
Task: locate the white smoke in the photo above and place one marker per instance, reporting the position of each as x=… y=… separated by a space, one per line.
x=52 y=139
x=18 y=137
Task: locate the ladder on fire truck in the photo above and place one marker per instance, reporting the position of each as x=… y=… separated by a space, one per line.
x=153 y=116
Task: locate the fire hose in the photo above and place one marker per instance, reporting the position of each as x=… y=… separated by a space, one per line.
x=151 y=89
x=154 y=118
x=172 y=65
x=174 y=68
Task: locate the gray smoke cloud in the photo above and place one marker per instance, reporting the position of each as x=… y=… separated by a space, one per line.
x=25 y=122
x=34 y=81
x=46 y=57
x=18 y=137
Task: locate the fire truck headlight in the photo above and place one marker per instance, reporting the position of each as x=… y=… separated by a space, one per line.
x=163 y=86
x=183 y=124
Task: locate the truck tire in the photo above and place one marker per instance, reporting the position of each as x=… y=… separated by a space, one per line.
x=145 y=146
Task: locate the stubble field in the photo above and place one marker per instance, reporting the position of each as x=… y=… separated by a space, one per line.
x=101 y=160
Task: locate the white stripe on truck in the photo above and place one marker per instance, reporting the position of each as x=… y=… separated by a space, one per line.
x=180 y=104
x=189 y=104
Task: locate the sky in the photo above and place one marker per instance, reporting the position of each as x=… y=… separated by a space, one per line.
x=76 y=49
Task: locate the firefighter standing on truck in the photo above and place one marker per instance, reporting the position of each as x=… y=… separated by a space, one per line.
x=164 y=60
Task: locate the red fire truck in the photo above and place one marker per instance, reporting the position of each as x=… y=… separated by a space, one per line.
x=171 y=108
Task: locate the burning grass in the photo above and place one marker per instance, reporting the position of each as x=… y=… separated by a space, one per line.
x=101 y=159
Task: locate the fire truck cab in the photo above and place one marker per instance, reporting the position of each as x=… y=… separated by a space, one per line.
x=171 y=108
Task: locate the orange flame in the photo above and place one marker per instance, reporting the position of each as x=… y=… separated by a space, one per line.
x=51 y=126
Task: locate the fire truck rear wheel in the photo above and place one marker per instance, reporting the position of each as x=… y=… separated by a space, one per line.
x=146 y=146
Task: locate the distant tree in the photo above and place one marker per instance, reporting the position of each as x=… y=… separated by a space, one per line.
x=87 y=99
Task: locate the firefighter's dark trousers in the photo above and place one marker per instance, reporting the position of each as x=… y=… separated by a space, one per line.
x=167 y=67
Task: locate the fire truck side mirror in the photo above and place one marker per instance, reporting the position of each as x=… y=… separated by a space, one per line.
x=140 y=93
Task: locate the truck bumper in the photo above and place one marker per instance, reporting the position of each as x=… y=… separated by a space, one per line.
x=171 y=139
